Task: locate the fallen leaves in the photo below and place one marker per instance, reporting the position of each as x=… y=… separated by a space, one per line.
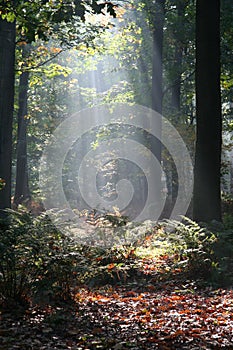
x=199 y=318
x=141 y=314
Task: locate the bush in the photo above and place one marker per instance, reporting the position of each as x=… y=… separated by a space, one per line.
x=193 y=244
x=228 y=221
x=223 y=253
x=36 y=260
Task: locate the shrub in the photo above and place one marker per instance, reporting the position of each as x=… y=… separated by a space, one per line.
x=36 y=260
x=193 y=244
x=223 y=253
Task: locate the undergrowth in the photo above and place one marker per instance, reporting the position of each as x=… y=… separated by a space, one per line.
x=40 y=265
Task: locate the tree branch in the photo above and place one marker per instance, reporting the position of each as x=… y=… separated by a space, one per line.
x=28 y=69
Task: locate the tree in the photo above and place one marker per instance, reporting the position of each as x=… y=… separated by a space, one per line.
x=7 y=61
x=178 y=57
x=155 y=13
x=157 y=90
x=157 y=66
x=34 y=21
x=207 y=196
x=22 y=192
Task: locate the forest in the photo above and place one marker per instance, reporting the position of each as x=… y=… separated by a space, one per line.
x=116 y=174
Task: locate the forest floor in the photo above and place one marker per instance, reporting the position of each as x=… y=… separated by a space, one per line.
x=156 y=307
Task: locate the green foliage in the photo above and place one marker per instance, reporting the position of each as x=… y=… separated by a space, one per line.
x=228 y=221
x=193 y=245
x=38 y=20
x=222 y=273
x=36 y=260
x=105 y=266
x=41 y=265
x=54 y=70
x=203 y=252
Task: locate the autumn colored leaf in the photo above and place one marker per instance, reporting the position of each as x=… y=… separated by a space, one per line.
x=111 y=266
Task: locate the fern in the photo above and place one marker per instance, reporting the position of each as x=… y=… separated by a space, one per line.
x=192 y=243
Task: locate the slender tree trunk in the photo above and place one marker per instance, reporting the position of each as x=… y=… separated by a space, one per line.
x=157 y=99
x=22 y=192
x=7 y=62
x=157 y=68
x=207 y=199
x=176 y=88
x=175 y=105
x=145 y=83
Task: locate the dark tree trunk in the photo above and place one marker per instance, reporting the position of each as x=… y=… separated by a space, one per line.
x=207 y=199
x=157 y=68
x=22 y=192
x=7 y=62
x=157 y=98
x=176 y=88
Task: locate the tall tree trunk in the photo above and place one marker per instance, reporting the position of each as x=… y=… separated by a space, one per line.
x=7 y=62
x=157 y=97
x=157 y=68
x=207 y=199
x=145 y=83
x=176 y=88
x=22 y=192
